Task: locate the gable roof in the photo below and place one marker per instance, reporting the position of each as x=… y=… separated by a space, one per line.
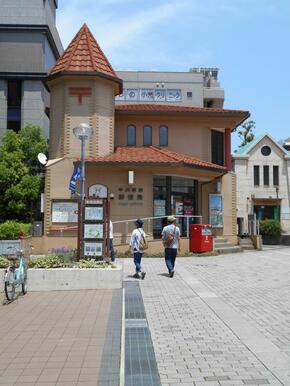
x=83 y=55
x=244 y=150
x=154 y=155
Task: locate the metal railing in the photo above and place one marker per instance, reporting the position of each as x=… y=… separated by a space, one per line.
x=152 y=227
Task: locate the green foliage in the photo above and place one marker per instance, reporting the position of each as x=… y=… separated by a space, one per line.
x=49 y=261
x=4 y=263
x=270 y=228
x=95 y=264
x=12 y=230
x=246 y=133
x=64 y=261
x=20 y=182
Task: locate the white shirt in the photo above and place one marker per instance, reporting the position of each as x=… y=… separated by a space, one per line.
x=171 y=228
x=111 y=230
x=135 y=239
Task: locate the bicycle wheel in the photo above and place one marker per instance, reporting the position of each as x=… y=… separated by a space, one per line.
x=10 y=286
x=24 y=283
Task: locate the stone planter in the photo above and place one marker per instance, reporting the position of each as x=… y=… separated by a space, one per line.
x=64 y=279
x=271 y=240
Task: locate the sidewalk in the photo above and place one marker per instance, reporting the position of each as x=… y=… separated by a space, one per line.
x=61 y=338
x=222 y=320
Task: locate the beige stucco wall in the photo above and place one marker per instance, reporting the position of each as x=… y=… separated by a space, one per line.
x=186 y=135
x=67 y=112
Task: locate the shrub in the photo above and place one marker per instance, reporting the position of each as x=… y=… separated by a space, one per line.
x=12 y=230
x=95 y=264
x=4 y=263
x=49 y=261
x=270 y=228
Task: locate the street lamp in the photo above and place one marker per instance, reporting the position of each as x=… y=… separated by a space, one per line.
x=82 y=132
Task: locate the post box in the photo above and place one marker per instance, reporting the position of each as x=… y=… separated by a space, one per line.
x=200 y=238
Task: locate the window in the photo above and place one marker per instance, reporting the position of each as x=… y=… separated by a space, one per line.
x=14 y=92
x=217 y=147
x=256 y=175
x=163 y=136
x=189 y=95
x=266 y=150
x=131 y=135
x=276 y=175
x=147 y=135
x=266 y=175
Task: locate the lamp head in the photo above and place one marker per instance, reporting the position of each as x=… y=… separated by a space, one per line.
x=83 y=131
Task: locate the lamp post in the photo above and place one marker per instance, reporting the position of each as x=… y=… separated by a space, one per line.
x=82 y=132
x=277 y=196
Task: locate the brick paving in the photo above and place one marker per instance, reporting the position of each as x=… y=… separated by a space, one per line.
x=222 y=320
x=61 y=338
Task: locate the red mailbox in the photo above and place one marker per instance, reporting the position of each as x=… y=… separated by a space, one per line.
x=200 y=238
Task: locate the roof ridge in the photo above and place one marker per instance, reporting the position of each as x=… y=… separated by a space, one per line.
x=74 y=48
x=165 y=152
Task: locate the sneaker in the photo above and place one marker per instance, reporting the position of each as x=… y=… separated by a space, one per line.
x=136 y=276
x=143 y=274
x=171 y=274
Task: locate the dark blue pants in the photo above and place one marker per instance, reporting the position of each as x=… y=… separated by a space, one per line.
x=137 y=261
x=170 y=256
x=112 y=251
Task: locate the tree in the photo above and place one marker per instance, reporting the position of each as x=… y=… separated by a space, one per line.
x=20 y=179
x=246 y=132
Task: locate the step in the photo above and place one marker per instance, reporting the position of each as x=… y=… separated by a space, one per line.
x=229 y=249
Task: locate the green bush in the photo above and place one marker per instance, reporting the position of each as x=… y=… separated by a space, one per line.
x=4 y=263
x=95 y=264
x=13 y=230
x=270 y=228
x=61 y=261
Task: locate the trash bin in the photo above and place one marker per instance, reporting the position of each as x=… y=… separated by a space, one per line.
x=200 y=238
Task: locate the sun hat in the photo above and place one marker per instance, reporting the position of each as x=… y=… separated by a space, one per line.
x=171 y=219
x=139 y=222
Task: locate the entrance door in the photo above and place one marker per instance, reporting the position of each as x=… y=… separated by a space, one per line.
x=182 y=204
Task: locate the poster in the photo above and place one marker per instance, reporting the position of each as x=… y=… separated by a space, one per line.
x=216 y=210
x=93 y=213
x=159 y=208
x=93 y=231
x=65 y=211
x=93 y=249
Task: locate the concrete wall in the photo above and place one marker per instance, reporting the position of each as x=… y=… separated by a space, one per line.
x=3 y=107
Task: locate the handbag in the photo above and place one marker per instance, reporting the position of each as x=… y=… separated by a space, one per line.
x=143 y=243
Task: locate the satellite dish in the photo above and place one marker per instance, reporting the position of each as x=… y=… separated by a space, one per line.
x=42 y=158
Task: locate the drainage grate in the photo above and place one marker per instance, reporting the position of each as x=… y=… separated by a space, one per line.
x=140 y=362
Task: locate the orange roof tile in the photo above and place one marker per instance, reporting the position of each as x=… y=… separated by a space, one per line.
x=174 y=108
x=154 y=154
x=83 y=54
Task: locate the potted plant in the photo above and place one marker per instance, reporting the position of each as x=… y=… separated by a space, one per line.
x=271 y=232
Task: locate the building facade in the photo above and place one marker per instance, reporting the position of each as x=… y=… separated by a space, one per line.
x=263 y=171
x=29 y=47
x=198 y=87
x=154 y=159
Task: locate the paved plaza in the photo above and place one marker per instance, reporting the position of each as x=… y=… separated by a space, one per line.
x=222 y=320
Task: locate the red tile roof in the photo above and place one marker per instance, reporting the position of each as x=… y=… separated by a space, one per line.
x=83 y=54
x=156 y=155
x=174 y=108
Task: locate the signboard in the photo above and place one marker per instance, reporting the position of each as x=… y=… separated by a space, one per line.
x=146 y=94
x=98 y=190
x=216 y=210
x=64 y=211
x=94 y=213
x=93 y=249
x=93 y=231
x=173 y=95
x=159 y=208
x=151 y=95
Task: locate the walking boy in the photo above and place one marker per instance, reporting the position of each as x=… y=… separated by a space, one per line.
x=171 y=241
x=136 y=237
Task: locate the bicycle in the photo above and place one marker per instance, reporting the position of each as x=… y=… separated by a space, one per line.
x=15 y=275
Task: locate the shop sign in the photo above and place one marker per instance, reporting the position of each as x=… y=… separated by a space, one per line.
x=64 y=212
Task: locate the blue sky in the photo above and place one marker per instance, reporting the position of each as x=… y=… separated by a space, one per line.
x=248 y=40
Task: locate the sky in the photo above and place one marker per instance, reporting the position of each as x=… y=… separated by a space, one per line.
x=248 y=40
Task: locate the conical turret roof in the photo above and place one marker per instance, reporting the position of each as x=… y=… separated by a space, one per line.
x=84 y=56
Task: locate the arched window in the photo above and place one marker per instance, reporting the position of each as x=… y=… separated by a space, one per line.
x=131 y=135
x=163 y=136
x=147 y=135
